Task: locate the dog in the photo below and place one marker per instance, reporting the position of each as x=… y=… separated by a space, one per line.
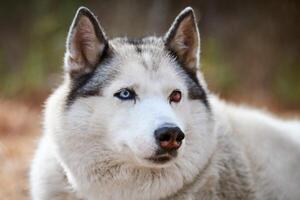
x=134 y=120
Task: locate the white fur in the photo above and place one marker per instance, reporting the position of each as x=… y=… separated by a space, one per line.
x=116 y=137
x=74 y=144
x=97 y=147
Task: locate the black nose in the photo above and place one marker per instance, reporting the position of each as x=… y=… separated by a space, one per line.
x=169 y=138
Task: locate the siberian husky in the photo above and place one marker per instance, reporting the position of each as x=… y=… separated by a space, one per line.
x=133 y=120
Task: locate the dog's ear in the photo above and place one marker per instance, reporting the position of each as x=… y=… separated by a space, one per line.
x=183 y=40
x=86 y=43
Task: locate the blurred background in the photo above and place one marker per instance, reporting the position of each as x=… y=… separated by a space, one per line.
x=250 y=55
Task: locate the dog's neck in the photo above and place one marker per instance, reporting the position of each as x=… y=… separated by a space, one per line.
x=219 y=179
x=228 y=179
x=127 y=182
x=204 y=183
x=106 y=178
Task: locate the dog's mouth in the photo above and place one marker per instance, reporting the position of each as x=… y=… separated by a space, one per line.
x=162 y=157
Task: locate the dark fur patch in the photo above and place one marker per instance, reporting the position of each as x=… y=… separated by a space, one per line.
x=81 y=86
x=134 y=41
x=138 y=49
x=196 y=91
x=77 y=84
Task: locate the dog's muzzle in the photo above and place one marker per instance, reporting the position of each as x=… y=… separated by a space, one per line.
x=169 y=139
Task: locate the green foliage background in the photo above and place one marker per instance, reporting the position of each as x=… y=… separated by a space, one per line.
x=250 y=49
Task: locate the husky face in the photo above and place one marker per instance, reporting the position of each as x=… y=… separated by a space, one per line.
x=134 y=102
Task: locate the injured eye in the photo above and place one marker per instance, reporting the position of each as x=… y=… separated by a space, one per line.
x=175 y=96
x=125 y=94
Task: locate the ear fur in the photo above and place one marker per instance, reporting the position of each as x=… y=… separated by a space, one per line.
x=183 y=39
x=86 y=43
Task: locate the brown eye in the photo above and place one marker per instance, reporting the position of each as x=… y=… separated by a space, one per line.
x=175 y=96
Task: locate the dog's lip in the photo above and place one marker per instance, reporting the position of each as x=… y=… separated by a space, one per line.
x=160 y=159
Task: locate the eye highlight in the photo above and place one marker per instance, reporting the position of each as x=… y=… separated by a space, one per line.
x=125 y=94
x=175 y=96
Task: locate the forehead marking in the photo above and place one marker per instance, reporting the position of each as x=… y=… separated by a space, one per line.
x=151 y=57
x=147 y=60
x=138 y=49
x=92 y=84
x=149 y=52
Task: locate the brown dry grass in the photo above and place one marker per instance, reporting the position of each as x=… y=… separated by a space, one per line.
x=19 y=127
x=19 y=130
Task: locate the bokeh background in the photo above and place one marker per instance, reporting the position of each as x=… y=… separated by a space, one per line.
x=250 y=54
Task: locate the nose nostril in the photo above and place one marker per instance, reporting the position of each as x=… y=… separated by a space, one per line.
x=180 y=137
x=165 y=137
x=169 y=138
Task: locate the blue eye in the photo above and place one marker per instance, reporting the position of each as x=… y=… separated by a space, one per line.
x=125 y=94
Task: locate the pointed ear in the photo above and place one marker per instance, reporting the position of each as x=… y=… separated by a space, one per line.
x=86 y=43
x=183 y=40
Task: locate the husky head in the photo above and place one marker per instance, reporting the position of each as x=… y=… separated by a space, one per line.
x=140 y=103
